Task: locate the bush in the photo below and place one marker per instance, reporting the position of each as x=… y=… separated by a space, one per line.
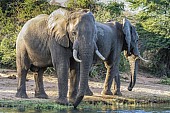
x=83 y=4
x=165 y=81
x=155 y=38
x=153 y=26
x=13 y=16
x=110 y=11
x=7 y=51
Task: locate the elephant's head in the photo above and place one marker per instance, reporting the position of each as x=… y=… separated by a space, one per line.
x=131 y=51
x=78 y=31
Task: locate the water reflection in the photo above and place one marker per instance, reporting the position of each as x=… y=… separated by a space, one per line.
x=154 y=108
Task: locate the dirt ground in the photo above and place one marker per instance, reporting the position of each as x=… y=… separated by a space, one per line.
x=147 y=88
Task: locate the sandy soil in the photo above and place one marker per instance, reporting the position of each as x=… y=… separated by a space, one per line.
x=147 y=88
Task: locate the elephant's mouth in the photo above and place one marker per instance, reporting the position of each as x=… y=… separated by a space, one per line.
x=75 y=51
x=136 y=55
x=133 y=52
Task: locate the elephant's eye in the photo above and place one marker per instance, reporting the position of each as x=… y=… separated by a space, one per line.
x=73 y=33
x=137 y=40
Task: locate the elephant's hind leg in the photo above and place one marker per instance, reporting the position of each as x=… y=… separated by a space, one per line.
x=21 y=89
x=108 y=80
x=39 y=86
x=112 y=66
x=117 y=85
x=22 y=62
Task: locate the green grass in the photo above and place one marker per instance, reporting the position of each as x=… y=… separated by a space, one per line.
x=165 y=81
x=48 y=105
x=39 y=105
x=21 y=105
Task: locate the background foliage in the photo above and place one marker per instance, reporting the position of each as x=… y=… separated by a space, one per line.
x=13 y=14
x=152 y=23
x=154 y=30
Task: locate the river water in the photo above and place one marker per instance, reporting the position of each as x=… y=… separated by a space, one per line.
x=153 y=108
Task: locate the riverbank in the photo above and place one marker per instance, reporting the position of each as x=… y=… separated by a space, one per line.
x=147 y=90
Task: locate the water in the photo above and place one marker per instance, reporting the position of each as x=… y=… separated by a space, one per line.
x=154 y=108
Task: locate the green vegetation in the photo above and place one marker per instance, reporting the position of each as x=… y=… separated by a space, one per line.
x=90 y=104
x=165 y=81
x=110 y=11
x=13 y=15
x=37 y=105
x=154 y=31
x=84 y=4
x=152 y=24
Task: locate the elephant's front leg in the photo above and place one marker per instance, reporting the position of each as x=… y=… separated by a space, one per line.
x=39 y=86
x=112 y=72
x=62 y=72
x=112 y=66
x=61 y=62
x=74 y=80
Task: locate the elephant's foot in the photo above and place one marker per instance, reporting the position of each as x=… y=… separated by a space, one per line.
x=106 y=92
x=118 y=93
x=21 y=94
x=72 y=99
x=41 y=95
x=62 y=101
x=130 y=88
x=88 y=92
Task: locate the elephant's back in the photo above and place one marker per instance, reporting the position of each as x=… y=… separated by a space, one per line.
x=33 y=28
x=34 y=33
x=34 y=38
x=105 y=40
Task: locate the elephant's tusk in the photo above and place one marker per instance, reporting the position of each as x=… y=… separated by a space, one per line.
x=97 y=52
x=75 y=56
x=143 y=59
x=99 y=55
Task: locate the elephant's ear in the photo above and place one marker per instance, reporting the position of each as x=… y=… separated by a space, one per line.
x=95 y=34
x=134 y=33
x=127 y=32
x=57 y=26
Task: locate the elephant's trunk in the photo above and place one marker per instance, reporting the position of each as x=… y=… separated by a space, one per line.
x=87 y=57
x=133 y=61
x=86 y=54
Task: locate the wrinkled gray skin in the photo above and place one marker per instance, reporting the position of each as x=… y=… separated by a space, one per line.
x=48 y=40
x=112 y=39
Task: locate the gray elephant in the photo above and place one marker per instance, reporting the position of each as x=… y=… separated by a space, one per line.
x=59 y=40
x=112 y=39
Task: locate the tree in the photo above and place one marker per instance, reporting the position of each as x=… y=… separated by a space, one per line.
x=83 y=4
x=13 y=14
x=154 y=31
x=111 y=11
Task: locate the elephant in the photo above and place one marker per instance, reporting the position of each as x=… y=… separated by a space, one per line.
x=64 y=40
x=113 y=38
